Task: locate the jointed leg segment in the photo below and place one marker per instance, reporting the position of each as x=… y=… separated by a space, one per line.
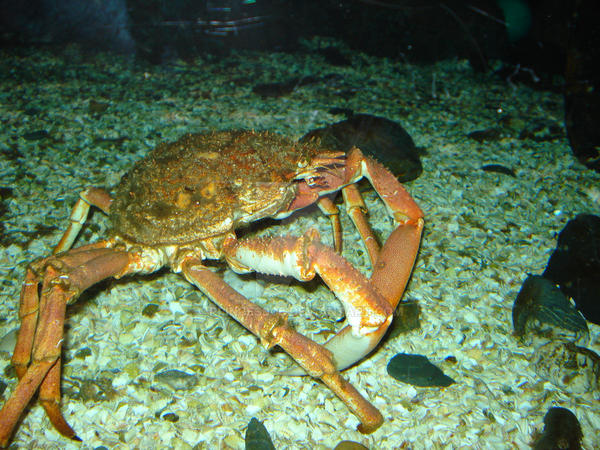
x=273 y=329
x=39 y=341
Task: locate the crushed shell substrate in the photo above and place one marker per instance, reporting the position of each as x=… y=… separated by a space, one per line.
x=484 y=233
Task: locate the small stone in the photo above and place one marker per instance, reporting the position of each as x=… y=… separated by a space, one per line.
x=499 y=168
x=488 y=134
x=257 y=436
x=406 y=318
x=171 y=417
x=83 y=353
x=36 y=135
x=417 y=370
x=350 y=445
x=150 y=310
x=561 y=431
x=176 y=379
x=96 y=107
x=8 y=341
x=567 y=366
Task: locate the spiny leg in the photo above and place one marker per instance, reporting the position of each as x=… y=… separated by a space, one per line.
x=90 y=197
x=396 y=259
x=367 y=312
x=61 y=285
x=328 y=208
x=29 y=303
x=356 y=208
x=273 y=329
x=393 y=263
x=28 y=315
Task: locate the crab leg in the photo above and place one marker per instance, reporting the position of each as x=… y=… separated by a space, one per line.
x=273 y=329
x=368 y=313
x=29 y=307
x=393 y=263
x=90 y=197
x=37 y=356
x=328 y=208
x=356 y=208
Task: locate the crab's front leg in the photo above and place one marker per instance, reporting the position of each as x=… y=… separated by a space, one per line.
x=90 y=197
x=395 y=261
x=368 y=313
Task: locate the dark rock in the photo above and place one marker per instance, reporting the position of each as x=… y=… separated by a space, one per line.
x=171 y=417
x=36 y=135
x=176 y=379
x=582 y=83
x=417 y=370
x=542 y=309
x=575 y=264
x=334 y=56
x=83 y=353
x=257 y=436
x=542 y=131
x=275 y=89
x=96 y=107
x=489 y=134
x=561 y=431
x=406 y=318
x=150 y=310
x=350 y=445
x=380 y=138
x=95 y=390
x=498 y=168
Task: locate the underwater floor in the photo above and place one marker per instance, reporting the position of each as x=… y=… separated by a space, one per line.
x=71 y=120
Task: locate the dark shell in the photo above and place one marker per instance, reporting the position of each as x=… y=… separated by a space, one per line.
x=205 y=185
x=417 y=370
x=561 y=431
x=378 y=137
x=542 y=308
x=575 y=264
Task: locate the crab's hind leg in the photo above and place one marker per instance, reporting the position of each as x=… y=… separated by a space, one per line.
x=39 y=342
x=90 y=197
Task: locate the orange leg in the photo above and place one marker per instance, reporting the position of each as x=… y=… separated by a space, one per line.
x=328 y=208
x=357 y=209
x=90 y=197
x=368 y=313
x=393 y=263
x=273 y=329
x=396 y=259
x=39 y=342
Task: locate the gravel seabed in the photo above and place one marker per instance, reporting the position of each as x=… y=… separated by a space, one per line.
x=485 y=232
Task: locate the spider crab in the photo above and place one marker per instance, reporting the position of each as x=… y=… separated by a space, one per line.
x=181 y=205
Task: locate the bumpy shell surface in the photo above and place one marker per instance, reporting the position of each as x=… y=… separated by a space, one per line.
x=204 y=185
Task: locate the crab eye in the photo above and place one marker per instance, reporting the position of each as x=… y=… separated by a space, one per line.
x=313 y=181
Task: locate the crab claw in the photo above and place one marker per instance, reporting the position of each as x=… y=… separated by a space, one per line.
x=347 y=348
x=392 y=264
